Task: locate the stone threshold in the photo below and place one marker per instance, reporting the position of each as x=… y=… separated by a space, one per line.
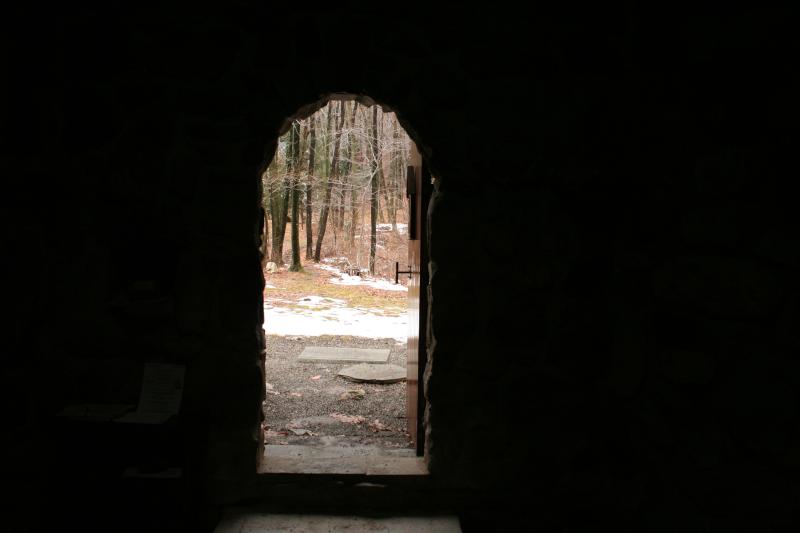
x=237 y=521
x=309 y=460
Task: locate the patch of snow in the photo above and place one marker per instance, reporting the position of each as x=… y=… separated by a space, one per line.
x=346 y=279
x=401 y=228
x=382 y=284
x=268 y=286
x=335 y=321
x=329 y=268
x=342 y=259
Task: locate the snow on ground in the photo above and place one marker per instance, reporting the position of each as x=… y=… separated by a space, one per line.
x=383 y=284
x=346 y=279
x=342 y=259
x=336 y=320
x=314 y=315
x=401 y=228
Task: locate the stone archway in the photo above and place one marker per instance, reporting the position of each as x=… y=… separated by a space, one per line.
x=423 y=345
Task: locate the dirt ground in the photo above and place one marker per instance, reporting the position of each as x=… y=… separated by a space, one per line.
x=330 y=410
x=307 y=403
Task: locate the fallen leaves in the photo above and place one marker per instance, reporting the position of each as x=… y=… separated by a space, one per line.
x=376 y=426
x=348 y=419
x=353 y=394
x=301 y=431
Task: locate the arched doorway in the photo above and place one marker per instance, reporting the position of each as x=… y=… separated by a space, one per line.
x=310 y=189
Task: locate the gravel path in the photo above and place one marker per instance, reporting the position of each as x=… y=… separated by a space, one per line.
x=298 y=408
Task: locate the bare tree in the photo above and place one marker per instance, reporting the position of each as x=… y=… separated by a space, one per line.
x=323 y=217
x=276 y=192
x=362 y=154
x=291 y=171
x=265 y=211
x=373 y=189
x=312 y=151
x=353 y=204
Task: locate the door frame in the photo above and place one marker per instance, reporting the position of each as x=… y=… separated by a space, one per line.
x=419 y=190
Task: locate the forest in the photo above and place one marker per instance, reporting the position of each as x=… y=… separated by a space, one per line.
x=337 y=183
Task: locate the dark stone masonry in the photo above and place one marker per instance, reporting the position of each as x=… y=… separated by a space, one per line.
x=614 y=328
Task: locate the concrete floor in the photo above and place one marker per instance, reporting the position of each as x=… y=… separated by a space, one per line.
x=254 y=522
x=360 y=460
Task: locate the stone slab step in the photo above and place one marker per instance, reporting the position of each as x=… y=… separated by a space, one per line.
x=326 y=354
x=369 y=461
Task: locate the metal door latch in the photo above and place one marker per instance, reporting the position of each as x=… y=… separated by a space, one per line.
x=397 y=272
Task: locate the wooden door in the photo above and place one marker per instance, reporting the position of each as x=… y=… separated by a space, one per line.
x=417 y=192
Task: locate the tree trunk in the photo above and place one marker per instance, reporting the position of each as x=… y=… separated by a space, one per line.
x=278 y=224
x=354 y=200
x=381 y=175
x=347 y=166
x=312 y=147
x=265 y=212
x=265 y=243
x=323 y=216
x=334 y=210
x=340 y=188
x=382 y=192
x=351 y=238
x=373 y=188
x=279 y=205
x=287 y=189
x=394 y=175
x=291 y=167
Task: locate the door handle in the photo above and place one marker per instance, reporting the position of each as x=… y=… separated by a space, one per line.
x=397 y=272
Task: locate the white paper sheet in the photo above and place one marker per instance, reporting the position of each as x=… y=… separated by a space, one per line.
x=162 y=388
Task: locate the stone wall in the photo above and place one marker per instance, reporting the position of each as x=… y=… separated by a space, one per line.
x=614 y=303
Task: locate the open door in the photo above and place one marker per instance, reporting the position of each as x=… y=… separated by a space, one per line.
x=417 y=191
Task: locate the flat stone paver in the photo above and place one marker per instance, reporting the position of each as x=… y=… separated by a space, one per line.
x=365 y=373
x=326 y=354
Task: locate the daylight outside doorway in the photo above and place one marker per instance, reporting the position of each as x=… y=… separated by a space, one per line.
x=339 y=216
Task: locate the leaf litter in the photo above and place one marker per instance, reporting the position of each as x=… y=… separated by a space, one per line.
x=330 y=394
x=348 y=419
